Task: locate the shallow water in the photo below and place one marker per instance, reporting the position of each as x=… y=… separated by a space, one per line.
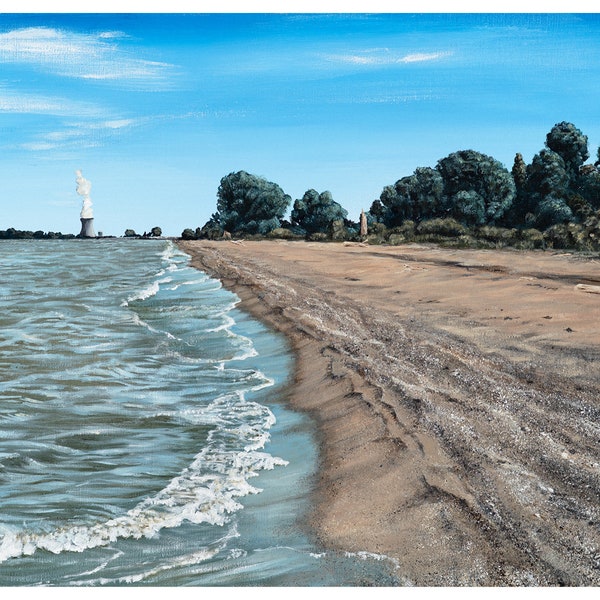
x=143 y=437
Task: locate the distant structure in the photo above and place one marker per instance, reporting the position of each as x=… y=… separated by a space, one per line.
x=87 y=228
x=363 y=224
x=87 y=215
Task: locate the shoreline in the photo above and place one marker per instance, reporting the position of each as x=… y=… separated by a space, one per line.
x=454 y=395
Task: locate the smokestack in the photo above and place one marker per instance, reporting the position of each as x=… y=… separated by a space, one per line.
x=87 y=228
x=87 y=214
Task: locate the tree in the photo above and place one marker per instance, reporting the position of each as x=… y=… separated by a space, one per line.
x=416 y=198
x=570 y=144
x=249 y=204
x=469 y=207
x=519 y=172
x=589 y=187
x=315 y=212
x=130 y=233
x=552 y=210
x=547 y=190
x=477 y=188
x=156 y=232
x=188 y=234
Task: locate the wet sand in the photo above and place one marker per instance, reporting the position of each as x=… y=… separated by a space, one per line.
x=456 y=394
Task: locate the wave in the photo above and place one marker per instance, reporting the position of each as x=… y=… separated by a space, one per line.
x=205 y=492
x=144 y=294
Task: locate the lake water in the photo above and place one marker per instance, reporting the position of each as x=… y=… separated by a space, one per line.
x=143 y=434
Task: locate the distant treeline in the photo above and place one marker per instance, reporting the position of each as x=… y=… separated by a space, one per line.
x=467 y=199
x=17 y=234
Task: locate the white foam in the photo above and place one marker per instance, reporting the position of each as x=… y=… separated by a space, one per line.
x=205 y=492
x=144 y=294
x=227 y=324
x=363 y=555
x=138 y=321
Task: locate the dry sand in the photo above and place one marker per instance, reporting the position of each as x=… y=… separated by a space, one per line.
x=456 y=395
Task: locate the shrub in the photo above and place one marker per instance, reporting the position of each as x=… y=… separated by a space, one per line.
x=283 y=234
x=530 y=239
x=499 y=235
x=444 y=227
x=564 y=236
x=401 y=235
x=318 y=237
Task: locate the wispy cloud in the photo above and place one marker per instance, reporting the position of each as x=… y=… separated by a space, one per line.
x=78 y=55
x=25 y=103
x=81 y=135
x=383 y=56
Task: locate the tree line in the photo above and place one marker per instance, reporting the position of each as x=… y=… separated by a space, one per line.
x=468 y=198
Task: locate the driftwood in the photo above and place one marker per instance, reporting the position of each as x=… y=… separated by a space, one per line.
x=590 y=289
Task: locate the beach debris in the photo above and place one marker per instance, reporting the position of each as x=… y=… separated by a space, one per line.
x=590 y=289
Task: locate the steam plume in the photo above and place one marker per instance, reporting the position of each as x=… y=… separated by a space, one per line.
x=83 y=189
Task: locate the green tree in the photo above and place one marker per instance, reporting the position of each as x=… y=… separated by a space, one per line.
x=519 y=172
x=570 y=144
x=478 y=189
x=156 y=232
x=315 y=212
x=416 y=197
x=249 y=204
x=589 y=186
x=188 y=234
x=547 y=190
x=130 y=233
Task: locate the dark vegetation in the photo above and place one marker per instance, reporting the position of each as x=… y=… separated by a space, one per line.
x=18 y=234
x=468 y=199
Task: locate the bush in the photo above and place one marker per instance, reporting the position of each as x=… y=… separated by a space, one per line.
x=444 y=227
x=338 y=231
x=318 y=237
x=530 y=239
x=499 y=235
x=564 y=236
x=283 y=234
x=401 y=235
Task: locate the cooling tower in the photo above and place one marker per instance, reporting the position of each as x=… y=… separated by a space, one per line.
x=87 y=228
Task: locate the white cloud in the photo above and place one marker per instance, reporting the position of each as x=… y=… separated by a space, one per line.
x=38 y=146
x=383 y=56
x=23 y=103
x=422 y=57
x=80 y=135
x=86 y=56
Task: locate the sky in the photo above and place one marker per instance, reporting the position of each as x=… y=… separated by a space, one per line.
x=155 y=108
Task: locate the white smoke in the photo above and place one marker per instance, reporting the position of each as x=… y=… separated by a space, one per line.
x=83 y=189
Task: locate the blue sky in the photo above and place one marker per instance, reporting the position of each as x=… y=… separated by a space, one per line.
x=156 y=108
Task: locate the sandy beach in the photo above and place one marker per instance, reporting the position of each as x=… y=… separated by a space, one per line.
x=455 y=394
